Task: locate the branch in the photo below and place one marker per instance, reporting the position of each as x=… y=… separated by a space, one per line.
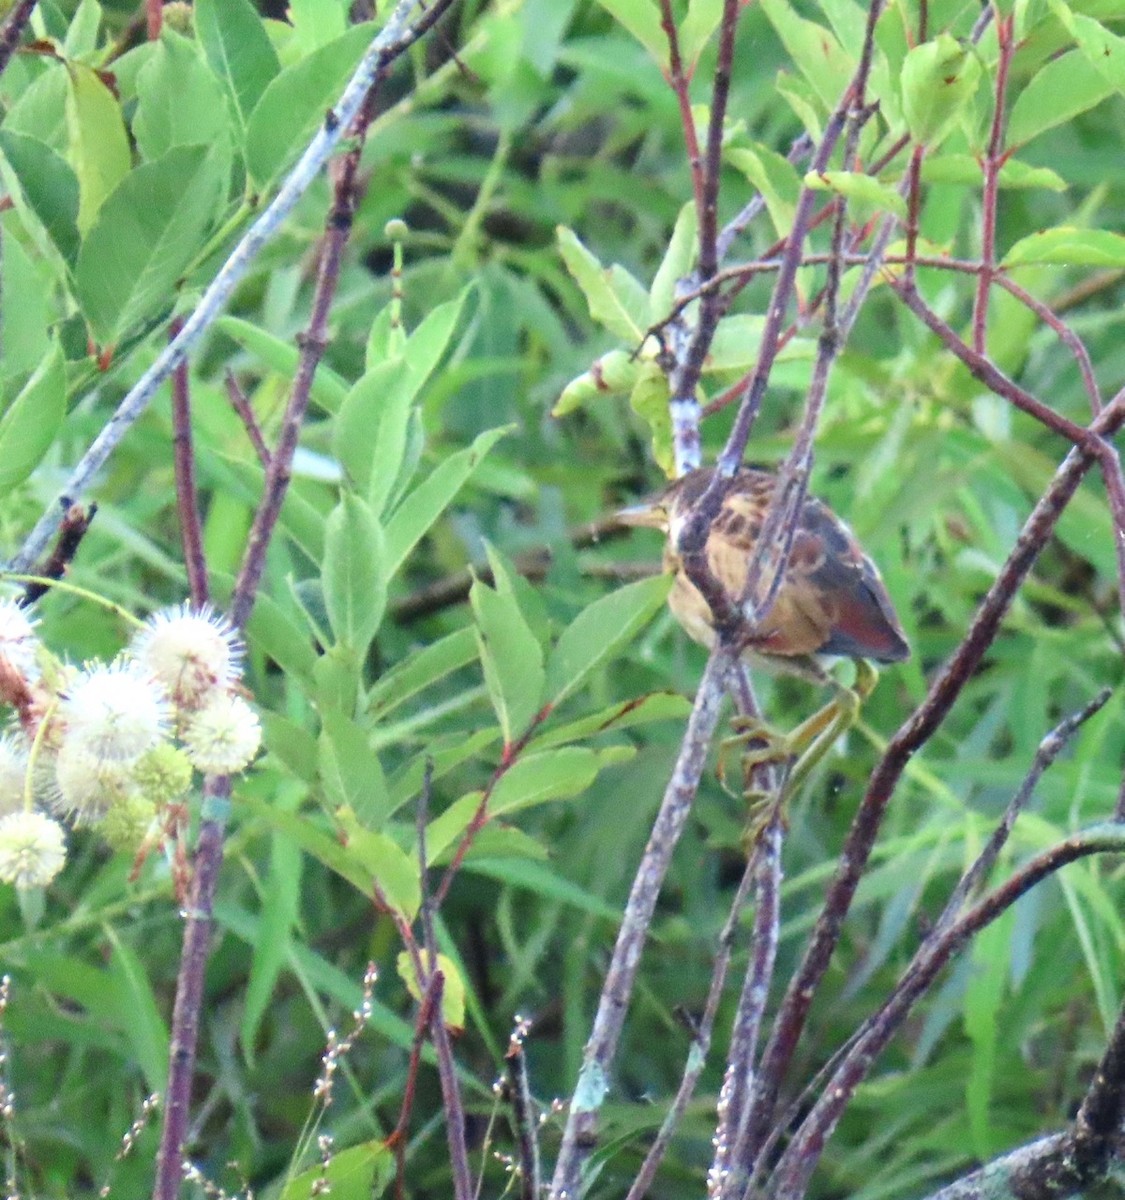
x=523 y=1113
x=580 y=1134
x=700 y=1041
x=12 y=31
x=187 y=499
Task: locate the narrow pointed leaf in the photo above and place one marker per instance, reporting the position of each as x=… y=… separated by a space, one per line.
x=511 y=657
x=29 y=426
x=600 y=631
x=355 y=581
x=419 y=510
x=146 y=234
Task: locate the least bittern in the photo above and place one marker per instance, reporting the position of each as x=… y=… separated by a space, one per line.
x=829 y=602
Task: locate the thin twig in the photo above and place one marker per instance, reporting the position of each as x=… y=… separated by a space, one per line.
x=75 y=523
x=1048 y=750
x=241 y=405
x=700 y=1041
x=189 y=996
x=312 y=343
x=454 y=1110
x=426 y=909
x=524 y=1124
x=187 y=497
x=12 y=30
x=994 y=159
x=723 y=1178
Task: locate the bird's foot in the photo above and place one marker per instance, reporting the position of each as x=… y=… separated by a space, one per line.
x=796 y=754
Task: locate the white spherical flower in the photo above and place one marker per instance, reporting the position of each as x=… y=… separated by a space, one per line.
x=193 y=652
x=223 y=737
x=18 y=643
x=114 y=713
x=13 y=772
x=32 y=849
x=86 y=786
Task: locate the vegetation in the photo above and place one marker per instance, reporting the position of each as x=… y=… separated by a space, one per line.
x=875 y=248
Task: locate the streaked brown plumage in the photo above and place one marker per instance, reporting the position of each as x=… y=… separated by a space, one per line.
x=831 y=600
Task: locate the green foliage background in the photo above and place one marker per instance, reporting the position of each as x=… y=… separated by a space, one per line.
x=551 y=114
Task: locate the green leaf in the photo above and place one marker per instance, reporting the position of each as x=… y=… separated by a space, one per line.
x=33 y=418
x=292 y=745
x=984 y=994
x=702 y=20
x=372 y=423
x=387 y=865
x=963 y=168
x=539 y=879
x=238 y=48
x=1058 y=92
x=355 y=585
x=1103 y=50
x=329 y=389
x=82 y=34
x=815 y=50
x=350 y=770
x=939 y=80
x=776 y=179
x=370 y=438
x=179 y=102
x=294 y=103
x=511 y=657
x=616 y=300
x=676 y=263
x=536 y=778
x=279 y=913
x=97 y=141
x=24 y=327
x=138 y=1014
x=444 y=830
x=799 y=94
x=601 y=630
x=49 y=187
x=617 y=371
x=642 y=19
x=1070 y=246
x=317 y=22
x=445 y=755
x=357 y=1173
x=420 y=670
x=414 y=516
x=656 y=706
x=452 y=991
x=274 y=631
x=146 y=234
x=868 y=194
x=649 y=400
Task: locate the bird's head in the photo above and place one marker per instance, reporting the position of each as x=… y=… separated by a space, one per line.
x=668 y=509
x=648 y=514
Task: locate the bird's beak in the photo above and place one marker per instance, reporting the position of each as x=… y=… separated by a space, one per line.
x=649 y=514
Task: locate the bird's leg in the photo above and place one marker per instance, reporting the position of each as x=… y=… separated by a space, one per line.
x=803 y=747
x=816 y=735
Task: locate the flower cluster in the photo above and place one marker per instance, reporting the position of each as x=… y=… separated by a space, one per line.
x=113 y=744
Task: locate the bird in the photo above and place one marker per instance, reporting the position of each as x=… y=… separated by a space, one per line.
x=829 y=603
